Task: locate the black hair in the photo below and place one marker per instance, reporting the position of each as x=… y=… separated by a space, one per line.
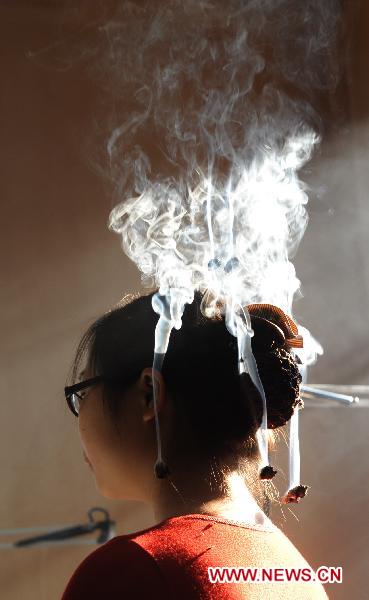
x=200 y=370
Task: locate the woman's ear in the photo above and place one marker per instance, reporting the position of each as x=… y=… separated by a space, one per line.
x=146 y=383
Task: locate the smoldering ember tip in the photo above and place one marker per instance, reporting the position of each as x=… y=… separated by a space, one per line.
x=267 y=472
x=295 y=494
x=161 y=469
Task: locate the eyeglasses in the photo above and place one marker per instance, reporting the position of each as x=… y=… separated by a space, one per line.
x=74 y=393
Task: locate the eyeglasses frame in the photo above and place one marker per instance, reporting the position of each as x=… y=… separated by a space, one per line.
x=71 y=390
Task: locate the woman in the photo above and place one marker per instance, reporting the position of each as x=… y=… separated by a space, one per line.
x=208 y=510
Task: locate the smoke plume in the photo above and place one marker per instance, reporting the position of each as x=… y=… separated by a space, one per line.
x=220 y=114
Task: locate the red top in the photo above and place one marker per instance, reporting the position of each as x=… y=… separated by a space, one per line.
x=170 y=561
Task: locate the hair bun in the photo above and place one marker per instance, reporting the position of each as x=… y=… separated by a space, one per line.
x=277 y=368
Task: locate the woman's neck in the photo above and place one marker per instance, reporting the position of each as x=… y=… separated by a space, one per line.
x=228 y=498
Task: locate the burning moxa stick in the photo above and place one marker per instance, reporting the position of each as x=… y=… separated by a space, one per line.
x=170 y=309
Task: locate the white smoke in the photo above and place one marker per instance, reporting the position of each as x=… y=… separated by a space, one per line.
x=221 y=118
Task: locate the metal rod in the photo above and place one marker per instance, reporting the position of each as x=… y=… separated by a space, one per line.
x=12 y=546
x=37 y=529
x=61 y=534
x=314 y=392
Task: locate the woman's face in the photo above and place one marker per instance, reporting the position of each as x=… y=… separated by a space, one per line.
x=116 y=449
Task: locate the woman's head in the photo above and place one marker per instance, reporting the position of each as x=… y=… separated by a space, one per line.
x=206 y=409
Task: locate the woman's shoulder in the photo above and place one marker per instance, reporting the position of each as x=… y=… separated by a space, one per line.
x=148 y=561
x=172 y=558
x=120 y=568
x=187 y=546
x=185 y=535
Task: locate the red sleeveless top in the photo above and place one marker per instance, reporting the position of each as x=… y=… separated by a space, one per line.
x=170 y=561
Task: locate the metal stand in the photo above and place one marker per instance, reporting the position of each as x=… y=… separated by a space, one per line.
x=66 y=535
